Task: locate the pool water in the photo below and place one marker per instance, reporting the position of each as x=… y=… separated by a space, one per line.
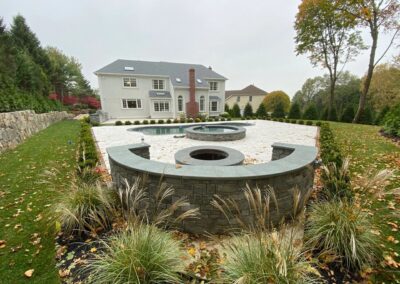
x=180 y=129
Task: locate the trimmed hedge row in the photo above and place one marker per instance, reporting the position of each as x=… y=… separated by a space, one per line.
x=87 y=148
x=330 y=152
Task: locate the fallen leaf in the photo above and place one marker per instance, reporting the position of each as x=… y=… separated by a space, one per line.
x=29 y=273
x=93 y=250
x=2 y=244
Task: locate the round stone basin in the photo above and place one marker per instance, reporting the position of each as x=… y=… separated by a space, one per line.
x=209 y=156
x=215 y=132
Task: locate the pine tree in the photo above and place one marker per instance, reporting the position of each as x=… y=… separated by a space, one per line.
x=310 y=112
x=236 y=111
x=279 y=111
x=248 y=110
x=348 y=114
x=294 y=112
x=261 y=111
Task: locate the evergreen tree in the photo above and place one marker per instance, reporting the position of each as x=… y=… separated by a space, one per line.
x=279 y=111
x=236 y=111
x=294 y=112
x=367 y=116
x=248 y=110
x=348 y=114
x=261 y=111
x=311 y=113
x=7 y=60
x=381 y=115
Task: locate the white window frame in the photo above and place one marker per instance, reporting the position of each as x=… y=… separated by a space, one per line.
x=124 y=104
x=202 y=103
x=130 y=85
x=213 y=86
x=162 y=103
x=156 y=84
x=238 y=99
x=211 y=103
x=180 y=103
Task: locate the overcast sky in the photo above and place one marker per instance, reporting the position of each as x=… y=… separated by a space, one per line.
x=249 y=42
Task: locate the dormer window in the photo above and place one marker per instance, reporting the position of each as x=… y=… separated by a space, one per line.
x=129 y=68
x=158 y=84
x=213 y=86
x=178 y=80
x=130 y=82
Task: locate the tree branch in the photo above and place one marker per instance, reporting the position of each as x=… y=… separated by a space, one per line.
x=388 y=47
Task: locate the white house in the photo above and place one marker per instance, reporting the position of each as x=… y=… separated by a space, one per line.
x=143 y=89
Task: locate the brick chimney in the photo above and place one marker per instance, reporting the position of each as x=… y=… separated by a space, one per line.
x=192 y=107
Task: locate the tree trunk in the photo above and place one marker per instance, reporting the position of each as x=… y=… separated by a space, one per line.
x=331 y=98
x=370 y=72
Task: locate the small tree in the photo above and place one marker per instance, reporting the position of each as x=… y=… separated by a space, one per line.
x=273 y=98
x=235 y=111
x=248 y=110
x=227 y=109
x=348 y=114
x=261 y=111
x=294 y=112
x=279 y=111
x=310 y=112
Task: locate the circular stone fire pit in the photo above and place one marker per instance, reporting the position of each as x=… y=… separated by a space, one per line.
x=215 y=132
x=209 y=156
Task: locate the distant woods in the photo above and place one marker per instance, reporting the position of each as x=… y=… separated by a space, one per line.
x=33 y=77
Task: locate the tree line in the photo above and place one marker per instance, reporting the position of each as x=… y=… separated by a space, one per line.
x=33 y=77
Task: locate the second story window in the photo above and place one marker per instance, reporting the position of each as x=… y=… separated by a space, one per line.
x=130 y=82
x=158 y=85
x=202 y=103
x=250 y=98
x=180 y=103
x=238 y=99
x=213 y=86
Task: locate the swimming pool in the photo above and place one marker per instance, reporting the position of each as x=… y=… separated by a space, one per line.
x=180 y=129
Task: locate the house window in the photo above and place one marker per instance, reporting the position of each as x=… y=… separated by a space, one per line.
x=180 y=103
x=213 y=106
x=238 y=99
x=213 y=86
x=202 y=102
x=161 y=106
x=131 y=103
x=158 y=85
x=130 y=82
x=250 y=98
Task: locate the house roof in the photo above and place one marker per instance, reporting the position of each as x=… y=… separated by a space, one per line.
x=175 y=71
x=250 y=90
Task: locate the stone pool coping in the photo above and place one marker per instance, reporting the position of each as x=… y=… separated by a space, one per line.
x=236 y=133
x=289 y=158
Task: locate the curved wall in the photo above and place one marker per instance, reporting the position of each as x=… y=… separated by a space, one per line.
x=291 y=167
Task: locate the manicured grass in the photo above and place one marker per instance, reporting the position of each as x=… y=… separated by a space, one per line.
x=368 y=150
x=24 y=199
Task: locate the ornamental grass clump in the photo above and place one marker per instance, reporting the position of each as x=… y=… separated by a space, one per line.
x=141 y=254
x=345 y=231
x=86 y=208
x=336 y=181
x=267 y=258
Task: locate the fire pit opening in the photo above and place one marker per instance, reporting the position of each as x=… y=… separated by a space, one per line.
x=208 y=154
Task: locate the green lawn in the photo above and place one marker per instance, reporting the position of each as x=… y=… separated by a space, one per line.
x=369 y=151
x=24 y=199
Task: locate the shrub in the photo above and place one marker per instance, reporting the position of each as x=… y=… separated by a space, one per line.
x=345 y=230
x=294 y=121
x=118 y=122
x=210 y=119
x=295 y=112
x=216 y=119
x=242 y=118
x=274 y=119
x=248 y=117
x=267 y=259
x=128 y=122
x=379 y=119
x=85 y=208
x=229 y=119
x=222 y=119
x=87 y=148
x=310 y=113
x=152 y=121
x=309 y=122
x=279 y=111
x=160 y=121
x=136 y=122
x=190 y=120
x=176 y=120
x=280 y=119
x=197 y=120
x=248 y=110
x=145 y=121
x=235 y=111
x=225 y=114
x=169 y=120
x=318 y=123
x=287 y=120
x=95 y=123
x=143 y=254
x=300 y=121
x=261 y=111
x=348 y=114
x=330 y=152
x=367 y=116
x=391 y=122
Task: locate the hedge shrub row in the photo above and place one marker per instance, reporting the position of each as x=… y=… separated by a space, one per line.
x=330 y=152
x=87 y=148
x=22 y=101
x=391 y=121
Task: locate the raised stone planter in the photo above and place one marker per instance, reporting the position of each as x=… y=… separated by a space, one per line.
x=215 y=132
x=292 y=167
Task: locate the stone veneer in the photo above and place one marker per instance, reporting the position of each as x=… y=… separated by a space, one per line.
x=292 y=166
x=15 y=127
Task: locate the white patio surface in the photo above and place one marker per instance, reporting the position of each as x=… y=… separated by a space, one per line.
x=256 y=146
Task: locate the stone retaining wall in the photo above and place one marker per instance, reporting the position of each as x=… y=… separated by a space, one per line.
x=15 y=127
x=292 y=169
